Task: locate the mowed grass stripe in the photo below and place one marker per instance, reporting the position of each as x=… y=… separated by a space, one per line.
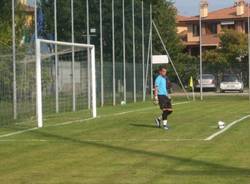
x=73 y=160
x=183 y=118
x=85 y=120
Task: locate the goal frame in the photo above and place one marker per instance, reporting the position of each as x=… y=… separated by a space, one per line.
x=39 y=99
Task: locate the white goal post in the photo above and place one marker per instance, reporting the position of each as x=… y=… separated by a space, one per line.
x=39 y=91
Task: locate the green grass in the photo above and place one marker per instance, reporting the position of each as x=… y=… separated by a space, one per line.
x=127 y=149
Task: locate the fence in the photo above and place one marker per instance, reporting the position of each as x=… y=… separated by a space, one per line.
x=119 y=29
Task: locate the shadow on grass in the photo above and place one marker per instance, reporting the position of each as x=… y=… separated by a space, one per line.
x=143 y=125
x=203 y=167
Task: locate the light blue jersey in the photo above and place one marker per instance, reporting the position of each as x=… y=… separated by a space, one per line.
x=161 y=84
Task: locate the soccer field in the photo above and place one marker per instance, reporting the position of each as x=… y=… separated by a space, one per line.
x=122 y=146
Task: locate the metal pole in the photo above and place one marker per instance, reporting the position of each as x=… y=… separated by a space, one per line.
x=39 y=104
x=93 y=82
x=148 y=59
x=143 y=53
x=151 y=52
x=73 y=57
x=134 y=66
x=66 y=43
x=248 y=50
x=113 y=51
x=124 y=52
x=36 y=32
x=171 y=62
x=37 y=52
x=56 y=56
x=101 y=55
x=88 y=55
x=201 y=85
x=14 y=60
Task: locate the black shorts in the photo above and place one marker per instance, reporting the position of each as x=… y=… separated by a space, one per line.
x=164 y=102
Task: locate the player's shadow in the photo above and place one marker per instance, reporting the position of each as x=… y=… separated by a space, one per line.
x=142 y=125
x=206 y=168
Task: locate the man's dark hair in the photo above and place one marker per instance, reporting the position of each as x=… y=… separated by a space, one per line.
x=162 y=67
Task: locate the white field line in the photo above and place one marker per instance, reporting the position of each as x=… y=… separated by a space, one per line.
x=142 y=140
x=71 y=122
x=225 y=129
x=109 y=115
x=27 y=140
x=105 y=140
x=83 y=120
x=18 y=132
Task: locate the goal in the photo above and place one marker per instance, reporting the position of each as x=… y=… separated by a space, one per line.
x=65 y=78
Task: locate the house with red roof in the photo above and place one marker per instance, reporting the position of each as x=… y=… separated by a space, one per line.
x=213 y=23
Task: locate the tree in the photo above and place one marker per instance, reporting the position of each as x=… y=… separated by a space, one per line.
x=233 y=50
x=230 y=57
x=164 y=16
x=6 y=22
x=215 y=61
x=6 y=43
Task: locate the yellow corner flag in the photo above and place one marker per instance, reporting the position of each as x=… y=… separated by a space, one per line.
x=191 y=82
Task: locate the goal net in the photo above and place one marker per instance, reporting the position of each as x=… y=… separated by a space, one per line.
x=65 y=78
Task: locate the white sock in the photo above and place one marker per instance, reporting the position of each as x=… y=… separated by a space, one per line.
x=165 y=122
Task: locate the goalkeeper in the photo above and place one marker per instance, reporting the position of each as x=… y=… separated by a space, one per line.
x=162 y=98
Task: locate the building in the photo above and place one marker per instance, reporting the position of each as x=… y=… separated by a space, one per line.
x=29 y=19
x=29 y=12
x=213 y=23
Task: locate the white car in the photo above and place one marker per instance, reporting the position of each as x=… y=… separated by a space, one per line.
x=231 y=82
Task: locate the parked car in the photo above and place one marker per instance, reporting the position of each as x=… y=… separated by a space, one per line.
x=208 y=82
x=231 y=82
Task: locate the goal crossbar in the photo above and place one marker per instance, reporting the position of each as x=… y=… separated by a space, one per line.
x=39 y=100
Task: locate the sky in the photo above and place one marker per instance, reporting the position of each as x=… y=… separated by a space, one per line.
x=191 y=7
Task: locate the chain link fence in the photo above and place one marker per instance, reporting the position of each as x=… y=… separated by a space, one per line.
x=120 y=31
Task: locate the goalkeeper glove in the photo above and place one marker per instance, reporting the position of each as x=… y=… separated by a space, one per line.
x=156 y=100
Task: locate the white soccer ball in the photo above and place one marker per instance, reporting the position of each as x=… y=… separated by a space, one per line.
x=123 y=103
x=221 y=125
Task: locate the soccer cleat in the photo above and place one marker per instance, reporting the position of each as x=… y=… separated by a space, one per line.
x=158 y=122
x=165 y=128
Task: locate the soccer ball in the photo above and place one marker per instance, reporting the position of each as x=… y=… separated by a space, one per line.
x=123 y=103
x=221 y=125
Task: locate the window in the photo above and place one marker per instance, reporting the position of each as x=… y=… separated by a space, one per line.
x=246 y=27
x=213 y=28
x=196 y=30
x=228 y=27
x=231 y=27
